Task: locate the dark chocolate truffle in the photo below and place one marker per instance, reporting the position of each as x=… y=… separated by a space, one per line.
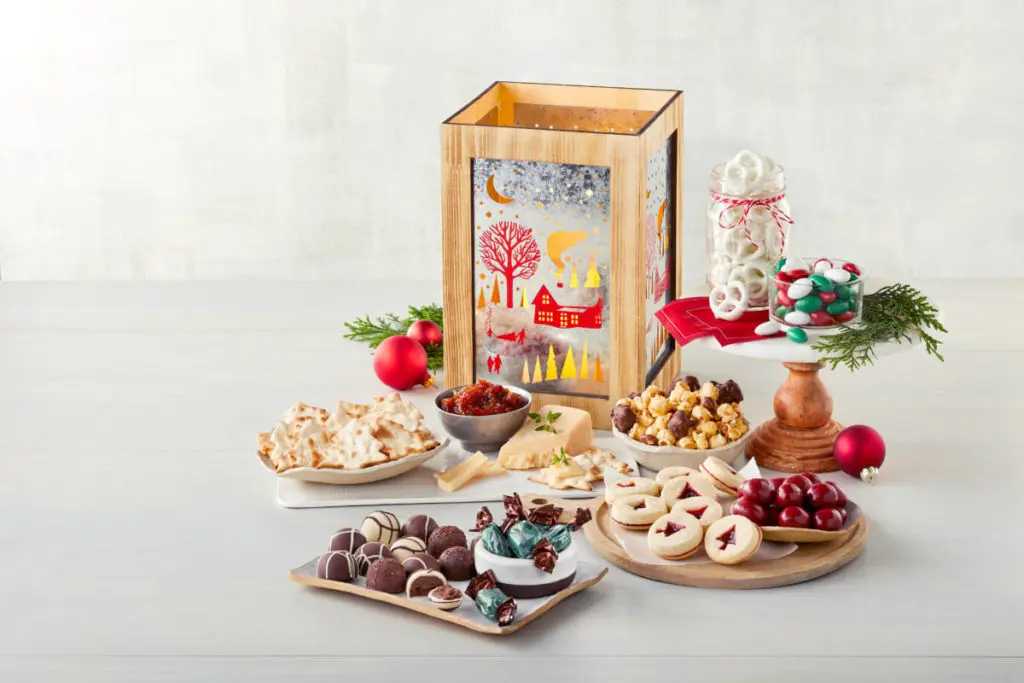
x=420 y=561
x=420 y=526
x=457 y=563
x=688 y=381
x=623 y=418
x=336 y=565
x=729 y=392
x=422 y=582
x=348 y=540
x=369 y=553
x=386 y=575
x=445 y=537
x=680 y=424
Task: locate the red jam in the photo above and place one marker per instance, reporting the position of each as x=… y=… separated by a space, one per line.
x=688 y=492
x=671 y=528
x=728 y=538
x=626 y=484
x=698 y=513
x=639 y=506
x=482 y=398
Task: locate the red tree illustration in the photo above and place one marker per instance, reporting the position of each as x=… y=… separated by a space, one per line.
x=510 y=250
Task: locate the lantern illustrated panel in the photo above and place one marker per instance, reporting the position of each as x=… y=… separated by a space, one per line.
x=541 y=259
x=659 y=233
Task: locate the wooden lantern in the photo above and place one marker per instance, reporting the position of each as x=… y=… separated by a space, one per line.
x=562 y=208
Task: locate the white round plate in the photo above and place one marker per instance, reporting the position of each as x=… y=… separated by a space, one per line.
x=367 y=475
x=658 y=458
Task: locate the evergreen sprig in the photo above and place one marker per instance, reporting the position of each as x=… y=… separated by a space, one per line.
x=894 y=313
x=373 y=331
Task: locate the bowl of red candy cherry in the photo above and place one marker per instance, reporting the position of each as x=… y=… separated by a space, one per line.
x=799 y=508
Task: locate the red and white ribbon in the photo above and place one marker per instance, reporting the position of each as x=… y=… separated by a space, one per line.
x=769 y=203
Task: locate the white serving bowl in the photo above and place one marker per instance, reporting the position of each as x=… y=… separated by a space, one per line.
x=366 y=475
x=658 y=458
x=520 y=578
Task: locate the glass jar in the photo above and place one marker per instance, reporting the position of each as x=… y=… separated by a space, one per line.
x=747 y=224
x=816 y=294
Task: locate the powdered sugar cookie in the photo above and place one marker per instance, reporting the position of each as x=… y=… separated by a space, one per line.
x=669 y=473
x=721 y=474
x=681 y=488
x=675 y=536
x=732 y=539
x=707 y=510
x=637 y=512
x=630 y=486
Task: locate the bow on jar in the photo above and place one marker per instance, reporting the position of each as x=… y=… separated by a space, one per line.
x=769 y=203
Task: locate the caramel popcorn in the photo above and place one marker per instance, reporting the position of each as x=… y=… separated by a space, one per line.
x=713 y=419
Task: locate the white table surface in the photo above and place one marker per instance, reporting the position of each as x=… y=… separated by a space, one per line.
x=140 y=540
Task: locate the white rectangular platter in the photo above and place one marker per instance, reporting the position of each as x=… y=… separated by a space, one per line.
x=419 y=486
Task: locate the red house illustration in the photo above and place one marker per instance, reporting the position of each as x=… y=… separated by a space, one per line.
x=547 y=311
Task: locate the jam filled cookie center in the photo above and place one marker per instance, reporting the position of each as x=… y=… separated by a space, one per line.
x=671 y=528
x=728 y=538
x=626 y=484
x=688 y=492
x=699 y=512
x=639 y=506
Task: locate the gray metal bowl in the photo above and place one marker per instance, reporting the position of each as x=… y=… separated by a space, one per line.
x=482 y=432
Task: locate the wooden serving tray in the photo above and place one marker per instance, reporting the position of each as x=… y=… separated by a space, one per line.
x=809 y=561
x=466 y=615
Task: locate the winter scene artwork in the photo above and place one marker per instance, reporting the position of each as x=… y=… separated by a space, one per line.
x=541 y=251
x=659 y=228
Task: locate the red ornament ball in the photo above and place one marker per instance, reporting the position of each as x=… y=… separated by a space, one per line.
x=860 y=451
x=426 y=332
x=401 y=362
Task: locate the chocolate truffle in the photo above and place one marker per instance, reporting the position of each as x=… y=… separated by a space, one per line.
x=680 y=424
x=420 y=561
x=404 y=548
x=348 y=540
x=446 y=597
x=336 y=565
x=386 y=575
x=729 y=392
x=420 y=526
x=443 y=538
x=369 y=553
x=457 y=563
x=381 y=526
x=623 y=418
x=422 y=582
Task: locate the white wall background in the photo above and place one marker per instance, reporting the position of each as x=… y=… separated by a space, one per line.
x=199 y=139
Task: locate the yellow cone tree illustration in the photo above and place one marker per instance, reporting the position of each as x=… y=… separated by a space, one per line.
x=574 y=281
x=481 y=302
x=526 y=372
x=537 y=376
x=495 y=293
x=585 y=371
x=524 y=304
x=598 y=376
x=569 y=366
x=593 y=278
x=552 y=371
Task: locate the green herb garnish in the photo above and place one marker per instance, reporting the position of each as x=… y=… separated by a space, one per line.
x=561 y=458
x=893 y=313
x=545 y=422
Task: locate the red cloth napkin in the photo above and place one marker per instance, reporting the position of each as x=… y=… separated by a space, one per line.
x=691 y=318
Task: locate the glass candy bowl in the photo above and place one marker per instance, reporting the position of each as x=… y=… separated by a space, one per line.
x=815 y=294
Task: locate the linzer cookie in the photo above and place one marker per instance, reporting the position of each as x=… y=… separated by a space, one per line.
x=732 y=539
x=707 y=511
x=675 y=536
x=637 y=512
x=722 y=475
x=631 y=486
x=681 y=488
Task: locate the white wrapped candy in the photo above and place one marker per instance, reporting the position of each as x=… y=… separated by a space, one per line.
x=797 y=318
x=838 y=275
x=729 y=301
x=767 y=328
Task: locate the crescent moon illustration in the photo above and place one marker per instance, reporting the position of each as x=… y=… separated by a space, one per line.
x=494 y=195
x=559 y=241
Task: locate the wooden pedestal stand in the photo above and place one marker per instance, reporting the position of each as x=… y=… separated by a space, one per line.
x=800 y=436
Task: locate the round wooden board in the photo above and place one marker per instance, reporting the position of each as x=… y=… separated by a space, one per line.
x=810 y=560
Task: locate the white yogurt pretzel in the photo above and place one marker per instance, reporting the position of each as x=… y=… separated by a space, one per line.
x=755 y=275
x=729 y=301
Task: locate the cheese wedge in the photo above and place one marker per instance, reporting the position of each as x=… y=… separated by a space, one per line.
x=529 y=449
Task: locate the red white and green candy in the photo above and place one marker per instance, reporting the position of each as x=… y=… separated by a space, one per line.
x=819 y=295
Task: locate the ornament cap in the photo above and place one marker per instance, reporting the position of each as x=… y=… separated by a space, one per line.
x=869 y=474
